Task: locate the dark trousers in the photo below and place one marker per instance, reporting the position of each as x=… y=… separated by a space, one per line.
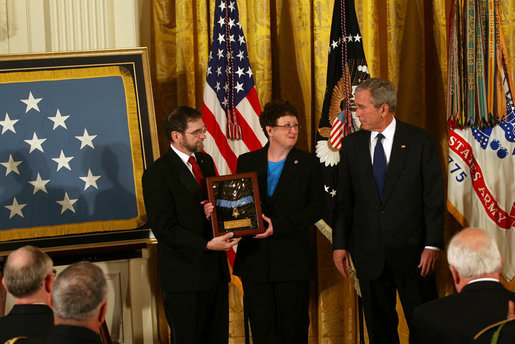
x=278 y=312
x=198 y=317
x=379 y=301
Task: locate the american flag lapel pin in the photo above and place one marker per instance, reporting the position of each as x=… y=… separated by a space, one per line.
x=403 y=146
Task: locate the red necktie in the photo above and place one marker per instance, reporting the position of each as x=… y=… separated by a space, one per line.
x=198 y=175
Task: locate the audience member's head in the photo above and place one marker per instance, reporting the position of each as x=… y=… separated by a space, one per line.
x=275 y=110
x=473 y=254
x=80 y=296
x=29 y=276
x=178 y=119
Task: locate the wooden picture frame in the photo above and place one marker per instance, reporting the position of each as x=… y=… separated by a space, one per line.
x=109 y=90
x=237 y=204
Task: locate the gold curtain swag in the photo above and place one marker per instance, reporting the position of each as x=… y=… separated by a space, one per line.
x=405 y=41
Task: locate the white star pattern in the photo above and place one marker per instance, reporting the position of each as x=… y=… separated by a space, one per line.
x=241 y=39
x=241 y=55
x=35 y=143
x=334 y=45
x=231 y=23
x=221 y=21
x=8 y=124
x=220 y=54
x=39 y=184
x=240 y=72
x=222 y=6
x=221 y=38
x=67 y=203
x=219 y=71
x=357 y=38
x=15 y=208
x=32 y=103
x=58 y=120
x=63 y=161
x=209 y=70
x=90 y=180
x=86 y=139
x=238 y=87
x=231 y=6
x=249 y=72
x=11 y=165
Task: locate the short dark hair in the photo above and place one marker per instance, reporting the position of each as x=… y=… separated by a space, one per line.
x=25 y=270
x=78 y=291
x=381 y=92
x=177 y=120
x=273 y=111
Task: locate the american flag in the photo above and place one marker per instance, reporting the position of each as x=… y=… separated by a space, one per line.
x=65 y=154
x=231 y=106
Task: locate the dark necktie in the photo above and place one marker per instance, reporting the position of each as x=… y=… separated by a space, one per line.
x=198 y=175
x=379 y=165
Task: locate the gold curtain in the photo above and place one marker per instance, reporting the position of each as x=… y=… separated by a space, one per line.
x=405 y=41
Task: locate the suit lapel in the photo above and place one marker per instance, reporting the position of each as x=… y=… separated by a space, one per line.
x=399 y=153
x=290 y=169
x=364 y=162
x=185 y=176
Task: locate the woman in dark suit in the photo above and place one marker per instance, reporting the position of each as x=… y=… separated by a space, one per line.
x=277 y=265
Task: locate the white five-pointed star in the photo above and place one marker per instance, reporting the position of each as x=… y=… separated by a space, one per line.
x=249 y=72
x=357 y=38
x=63 y=161
x=32 y=103
x=35 y=143
x=238 y=87
x=222 y=6
x=11 y=165
x=231 y=6
x=8 y=124
x=240 y=72
x=217 y=86
x=67 y=203
x=241 y=55
x=59 y=120
x=231 y=23
x=39 y=184
x=15 y=208
x=209 y=70
x=86 y=139
x=90 y=180
x=333 y=193
x=241 y=39
x=220 y=38
x=221 y=21
x=220 y=54
x=334 y=44
x=219 y=71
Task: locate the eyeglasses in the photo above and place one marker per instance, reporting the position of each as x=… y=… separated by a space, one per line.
x=288 y=126
x=197 y=132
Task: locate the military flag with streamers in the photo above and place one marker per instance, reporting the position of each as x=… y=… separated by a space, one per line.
x=346 y=68
x=481 y=121
x=231 y=106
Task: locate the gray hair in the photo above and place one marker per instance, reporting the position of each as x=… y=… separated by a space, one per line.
x=381 y=92
x=474 y=253
x=25 y=270
x=78 y=291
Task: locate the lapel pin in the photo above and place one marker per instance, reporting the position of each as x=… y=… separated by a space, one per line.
x=296 y=162
x=403 y=146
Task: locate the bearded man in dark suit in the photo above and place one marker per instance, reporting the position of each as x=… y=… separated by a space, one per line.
x=475 y=263
x=390 y=210
x=193 y=264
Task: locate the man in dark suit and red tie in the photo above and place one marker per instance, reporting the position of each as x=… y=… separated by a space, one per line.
x=193 y=264
x=390 y=210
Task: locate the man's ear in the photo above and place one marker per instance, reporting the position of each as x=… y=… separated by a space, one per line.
x=3 y=284
x=49 y=282
x=102 y=312
x=455 y=275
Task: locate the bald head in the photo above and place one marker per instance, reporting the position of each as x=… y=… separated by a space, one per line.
x=25 y=271
x=473 y=253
